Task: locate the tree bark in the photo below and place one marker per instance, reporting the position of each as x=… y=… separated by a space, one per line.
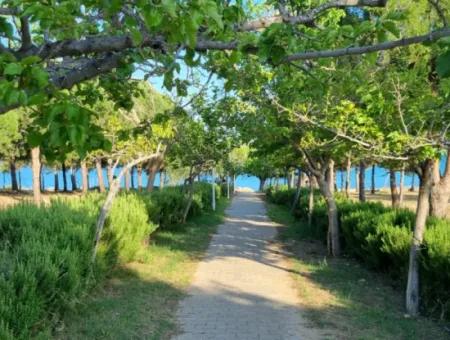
x=234 y=183
x=348 y=168
x=297 y=193
x=13 y=172
x=412 y=189
x=310 y=201
x=262 y=182
x=98 y=166
x=20 y=180
x=109 y=171
x=395 y=196
x=162 y=179
x=73 y=178
x=440 y=191
x=132 y=177
x=56 y=179
x=412 y=290
x=362 y=181
x=402 y=184
x=152 y=171
x=127 y=180
x=36 y=169
x=106 y=207
x=64 y=174
x=372 y=191
x=84 y=177
x=139 y=177
x=357 y=180
x=324 y=180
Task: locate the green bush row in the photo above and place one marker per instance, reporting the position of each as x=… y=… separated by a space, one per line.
x=45 y=252
x=380 y=237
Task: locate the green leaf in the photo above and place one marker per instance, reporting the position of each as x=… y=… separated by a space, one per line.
x=170 y=6
x=13 y=69
x=152 y=17
x=391 y=26
x=443 y=65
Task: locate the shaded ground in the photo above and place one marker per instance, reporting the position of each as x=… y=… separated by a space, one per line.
x=345 y=298
x=242 y=289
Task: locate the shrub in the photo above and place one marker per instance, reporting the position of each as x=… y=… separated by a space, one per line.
x=381 y=237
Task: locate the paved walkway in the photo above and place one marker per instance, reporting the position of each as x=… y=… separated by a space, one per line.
x=242 y=289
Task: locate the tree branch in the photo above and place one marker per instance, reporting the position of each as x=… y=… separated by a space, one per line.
x=429 y=37
x=25 y=33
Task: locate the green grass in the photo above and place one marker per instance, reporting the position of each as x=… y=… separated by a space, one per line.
x=140 y=299
x=343 y=298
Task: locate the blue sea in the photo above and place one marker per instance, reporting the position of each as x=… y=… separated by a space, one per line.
x=25 y=178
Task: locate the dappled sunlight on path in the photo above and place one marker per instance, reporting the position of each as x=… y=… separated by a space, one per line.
x=243 y=288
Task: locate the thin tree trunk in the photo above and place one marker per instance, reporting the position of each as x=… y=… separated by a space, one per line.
x=395 y=197
x=324 y=180
x=36 y=170
x=310 y=201
x=262 y=182
x=109 y=171
x=362 y=181
x=73 y=178
x=357 y=179
x=440 y=190
x=13 y=172
x=127 y=180
x=152 y=171
x=213 y=188
x=228 y=186
x=64 y=174
x=98 y=166
x=402 y=182
x=106 y=207
x=20 y=180
x=132 y=178
x=297 y=193
x=84 y=177
x=348 y=168
x=42 y=178
x=412 y=189
x=412 y=290
x=56 y=179
x=372 y=191
x=162 y=179
x=234 y=183
x=342 y=181
x=139 y=177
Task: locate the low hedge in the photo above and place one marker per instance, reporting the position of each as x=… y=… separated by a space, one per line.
x=45 y=252
x=380 y=237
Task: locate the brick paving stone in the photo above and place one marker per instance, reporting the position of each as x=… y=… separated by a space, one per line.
x=242 y=288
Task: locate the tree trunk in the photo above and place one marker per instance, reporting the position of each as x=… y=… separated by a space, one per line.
x=132 y=177
x=106 y=207
x=189 y=202
x=348 y=168
x=297 y=193
x=412 y=290
x=395 y=197
x=109 y=171
x=362 y=181
x=36 y=170
x=56 y=180
x=372 y=191
x=356 y=179
x=324 y=180
x=262 y=183
x=20 y=180
x=440 y=191
x=73 y=178
x=98 y=166
x=412 y=189
x=162 y=178
x=84 y=177
x=42 y=178
x=139 y=177
x=234 y=183
x=152 y=171
x=13 y=172
x=213 y=193
x=342 y=181
x=402 y=183
x=64 y=174
x=228 y=186
x=310 y=201
x=127 y=180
